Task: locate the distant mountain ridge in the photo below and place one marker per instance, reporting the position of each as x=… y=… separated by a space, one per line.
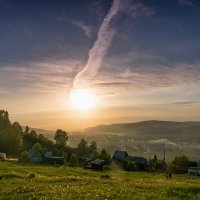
x=141 y=138
x=147 y=127
x=47 y=133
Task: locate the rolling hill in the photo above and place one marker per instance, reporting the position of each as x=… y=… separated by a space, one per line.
x=149 y=129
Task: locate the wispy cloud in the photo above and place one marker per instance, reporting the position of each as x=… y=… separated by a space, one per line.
x=112 y=84
x=106 y=34
x=87 y=29
x=186 y=3
x=100 y=47
x=138 y=9
x=149 y=78
x=38 y=77
x=184 y=102
x=84 y=27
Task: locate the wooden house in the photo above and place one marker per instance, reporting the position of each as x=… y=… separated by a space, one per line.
x=35 y=155
x=141 y=162
x=86 y=156
x=120 y=155
x=50 y=159
x=194 y=171
x=183 y=167
x=98 y=164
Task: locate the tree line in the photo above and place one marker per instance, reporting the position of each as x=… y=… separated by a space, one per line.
x=16 y=142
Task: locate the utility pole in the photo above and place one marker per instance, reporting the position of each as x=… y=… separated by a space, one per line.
x=164 y=155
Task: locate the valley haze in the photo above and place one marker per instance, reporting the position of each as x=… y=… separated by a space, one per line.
x=142 y=138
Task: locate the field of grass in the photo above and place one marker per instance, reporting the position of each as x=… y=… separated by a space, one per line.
x=18 y=181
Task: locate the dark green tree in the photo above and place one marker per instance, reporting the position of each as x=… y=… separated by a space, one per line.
x=61 y=138
x=4 y=120
x=95 y=155
x=14 y=141
x=73 y=160
x=29 y=139
x=93 y=145
x=10 y=135
x=24 y=157
x=155 y=159
x=37 y=146
x=105 y=156
x=178 y=161
x=45 y=142
x=26 y=131
x=82 y=147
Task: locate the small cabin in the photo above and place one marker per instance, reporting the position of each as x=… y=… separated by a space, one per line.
x=141 y=162
x=82 y=156
x=120 y=155
x=183 y=167
x=50 y=159
x=35 y=155
x=98 y=164
x=194 y=171
x=88 y=154
x=137 y=159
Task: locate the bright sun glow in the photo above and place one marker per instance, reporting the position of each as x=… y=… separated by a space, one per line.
x=82 y=99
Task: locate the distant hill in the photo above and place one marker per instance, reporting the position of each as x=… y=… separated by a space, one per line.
x=148 y=128
x=141 y=138
x=49 y=134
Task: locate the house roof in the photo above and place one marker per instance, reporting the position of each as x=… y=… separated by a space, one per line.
x=48 y=154
x=194 y=168
x=98 y=162
x=32 y=152
x=56 y=157
x=120 y=154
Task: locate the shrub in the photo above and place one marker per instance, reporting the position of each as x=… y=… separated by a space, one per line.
x=95 y=155
x=131 y=166
x=24 y=157
x=86 y=165
x=37 y=146
x=105 y=156
x=32 y=175
x=73 y=160
x=105 y=176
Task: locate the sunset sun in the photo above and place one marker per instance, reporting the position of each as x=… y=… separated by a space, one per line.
x=82 y=100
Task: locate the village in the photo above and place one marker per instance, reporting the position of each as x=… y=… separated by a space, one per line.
x=33 y=166
x=91 y=159
x=26 y=146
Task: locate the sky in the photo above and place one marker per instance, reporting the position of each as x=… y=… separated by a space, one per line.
x=139 y=57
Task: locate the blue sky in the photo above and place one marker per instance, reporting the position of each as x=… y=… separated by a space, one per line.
x=151 y=63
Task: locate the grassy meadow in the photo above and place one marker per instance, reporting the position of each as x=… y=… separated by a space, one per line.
x=18 y=181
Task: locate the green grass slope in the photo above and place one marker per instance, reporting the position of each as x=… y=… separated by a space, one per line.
x=76 y=183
